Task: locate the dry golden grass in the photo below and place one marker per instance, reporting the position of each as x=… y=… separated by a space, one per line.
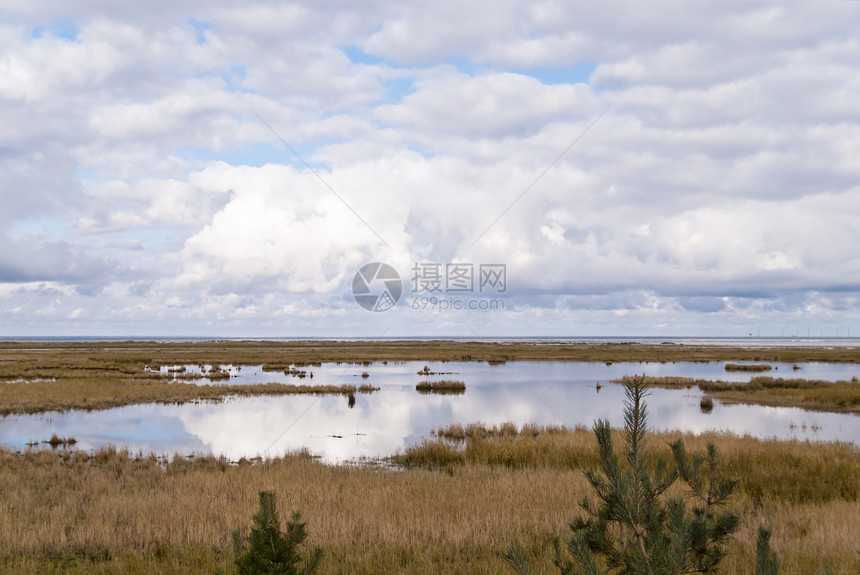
x=817 y=395
x=795 y=471
x=445 y=386
x=462 y=501
x=277 y=356
x=60 y=376
x=747 y=367
x=80 y=394
x=841 y=396
x=111 y=513
x=140 y=513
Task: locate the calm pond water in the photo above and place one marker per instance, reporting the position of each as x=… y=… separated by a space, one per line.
x=381 y=423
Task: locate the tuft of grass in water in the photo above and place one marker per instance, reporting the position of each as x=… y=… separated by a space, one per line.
x=503 y=445
x=445 y=386
x=56 y=441
x=748 y=367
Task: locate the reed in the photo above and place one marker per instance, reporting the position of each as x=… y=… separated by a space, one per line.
x=30 y=356
x=59 y=376
x=748 y=367
x=793 y=471
x=100 y=394
x=811 y=394
x=445 y=386
x=56 y=441
x=113 y=511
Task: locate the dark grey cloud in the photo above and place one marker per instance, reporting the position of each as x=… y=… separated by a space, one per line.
x=50 y=261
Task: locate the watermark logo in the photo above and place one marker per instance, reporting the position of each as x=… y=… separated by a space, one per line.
x=377 y=286
x=459 y=278
x=435 y=286
x=442 y=287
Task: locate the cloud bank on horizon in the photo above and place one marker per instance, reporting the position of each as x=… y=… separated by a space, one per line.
x=669 y=168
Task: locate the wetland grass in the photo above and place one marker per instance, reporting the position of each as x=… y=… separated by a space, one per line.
x=748 y=367
x=38 y=376
x=811 y=394
x=118 y=512
x=840 y=396
x=792 y=471
x=444 y=386
x=284 y=354
x=64 y=395
x=57 y=441
x=293 y=371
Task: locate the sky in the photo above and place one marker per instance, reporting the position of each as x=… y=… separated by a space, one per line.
x=525 y=168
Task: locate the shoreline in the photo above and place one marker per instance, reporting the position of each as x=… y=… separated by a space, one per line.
x=39 y=377
x=309 y=350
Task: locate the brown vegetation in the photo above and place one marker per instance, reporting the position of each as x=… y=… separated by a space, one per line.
x=277 y=356
x=748 y=367
x=63 y=395
x=59 y=376
x=117 y=512
x=445 y=386
x=817 y=395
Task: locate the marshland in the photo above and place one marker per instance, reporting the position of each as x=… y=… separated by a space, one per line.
x=389 y=480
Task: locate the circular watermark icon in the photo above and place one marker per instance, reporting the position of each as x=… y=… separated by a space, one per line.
x=377 y=286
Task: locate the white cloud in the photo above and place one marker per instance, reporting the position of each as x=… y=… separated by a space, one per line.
x=488 y=106
x=722 y=181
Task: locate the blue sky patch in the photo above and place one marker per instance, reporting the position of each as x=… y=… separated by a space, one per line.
x=51 y=226
x=85 y=173
x=255 y=155
x=200 y=29
x=398 y=88
x=236 y=78
x=358 y=56
x=58 y=29
x=577 y=74
x=151 y=237
x=464 y=65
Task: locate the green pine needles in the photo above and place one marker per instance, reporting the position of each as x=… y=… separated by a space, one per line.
x=633 y=527
x=767 y=562
x=267 y=550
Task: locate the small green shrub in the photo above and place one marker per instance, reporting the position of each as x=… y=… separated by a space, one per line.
x=634 y=528
x=766 y=560
x=268 y=550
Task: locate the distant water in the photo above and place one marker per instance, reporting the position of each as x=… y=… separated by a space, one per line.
x=752 y=341
x=379 y=424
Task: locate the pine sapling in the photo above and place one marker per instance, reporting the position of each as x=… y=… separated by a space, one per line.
x=633 y=528
x=766 y=560
x=268 y=550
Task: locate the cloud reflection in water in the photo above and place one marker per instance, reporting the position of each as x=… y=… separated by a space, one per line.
x=388 y=420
